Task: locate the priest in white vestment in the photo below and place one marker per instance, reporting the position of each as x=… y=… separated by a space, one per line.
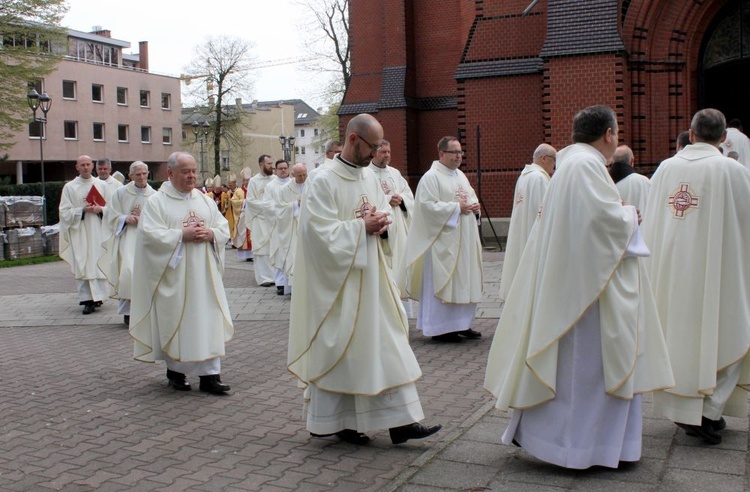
x=348 y=332
x=332 y=148
x=290 y=199
x=633 y=187
x=274 y=211
x=257 y=220
x=104 y=172
x=81 y=234
x=697 y=226
x=579 y=338
x=443 y=263
x=400 y=198
x=736 y=141
x=531 y=187
x=179 y=311
x=121 y=217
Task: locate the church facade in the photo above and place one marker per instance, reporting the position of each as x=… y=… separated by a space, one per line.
x=506 y=75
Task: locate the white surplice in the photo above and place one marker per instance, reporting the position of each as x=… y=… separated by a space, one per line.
x=528 y=196
x=257 y=221
x=179 y=309
x=579 y=274
x=348 y=332
x=738 y=142
x=634 y=190
x=697 y=225
x=455 y=252
x=81 y=236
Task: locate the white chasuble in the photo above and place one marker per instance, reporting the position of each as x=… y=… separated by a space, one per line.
x=634 y=189
x=81 y=233
x=456 y=250
x=274 y=209
x=738 y=142
x=528 y=196
x=179 y=308
x=256 y=213
x=348 y=331
x=575 y=257
x=287 y=216
x=120 y=237
x=697 y=225
x=393 y=183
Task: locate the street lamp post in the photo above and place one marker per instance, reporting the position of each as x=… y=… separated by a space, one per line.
x=201 y=134
x=287 y=145
x=44 y=102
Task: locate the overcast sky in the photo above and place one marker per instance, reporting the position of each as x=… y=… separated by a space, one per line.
x=173 y=29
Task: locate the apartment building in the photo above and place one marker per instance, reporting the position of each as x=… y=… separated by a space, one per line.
x=105 y=103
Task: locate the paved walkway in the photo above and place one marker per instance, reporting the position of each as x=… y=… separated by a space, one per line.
x=78 y=414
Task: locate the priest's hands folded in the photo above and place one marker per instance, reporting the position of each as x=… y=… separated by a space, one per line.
x=376 y=222
x=196 y=233
x=396 y=200
x=467 y=208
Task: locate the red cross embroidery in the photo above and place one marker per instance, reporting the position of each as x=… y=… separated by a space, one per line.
x=192 y=219
x=682 y=200
x=386 y=187
x=364 y=208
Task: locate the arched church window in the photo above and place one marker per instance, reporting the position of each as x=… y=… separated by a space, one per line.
x=730 y=39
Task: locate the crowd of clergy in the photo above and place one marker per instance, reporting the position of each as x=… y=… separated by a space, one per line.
x=613 y=285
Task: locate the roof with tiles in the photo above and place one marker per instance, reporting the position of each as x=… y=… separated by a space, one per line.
x=576 y=27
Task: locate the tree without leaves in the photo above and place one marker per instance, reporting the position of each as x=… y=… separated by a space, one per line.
x=225 y=63
x=331 y=45
x=35 y=25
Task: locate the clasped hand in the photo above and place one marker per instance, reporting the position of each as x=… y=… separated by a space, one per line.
x=467 y=208
x=196 y=233
x=377 y=222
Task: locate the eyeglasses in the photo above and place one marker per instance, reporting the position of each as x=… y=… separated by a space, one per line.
x=554 y=158
x=374 y=148
x=455 y=152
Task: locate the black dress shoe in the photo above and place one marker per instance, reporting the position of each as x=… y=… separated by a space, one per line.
x=705 y=431
x=98 y=304
x=718 y=425
x=448 y=338
x=178 y=381
x=470 y=334
x=212 y=384
x=353 y=437
x=88 y=307
x=412 y=431
x=267 y=284
x=279 y=290
x=127 y=320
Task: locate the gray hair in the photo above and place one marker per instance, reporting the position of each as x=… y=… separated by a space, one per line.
x=135 y=165
x=173 y=158
x=331 y=144
x=709 y=125
x=590 y=124
x=623 y=155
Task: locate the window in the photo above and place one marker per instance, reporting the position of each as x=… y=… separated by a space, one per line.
x=36 y=129
x=145 y=134
x=36 y=85
x=70 y=130
x=303 y=149
x=69 y=89
x=122 y=133
x=97 y=93
x=99 y=131
x=317 y=149
x=302 y=133
x=166 y=136
x=315 y=132
x=145 y=99
x=166 y=100
x=122 y=96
